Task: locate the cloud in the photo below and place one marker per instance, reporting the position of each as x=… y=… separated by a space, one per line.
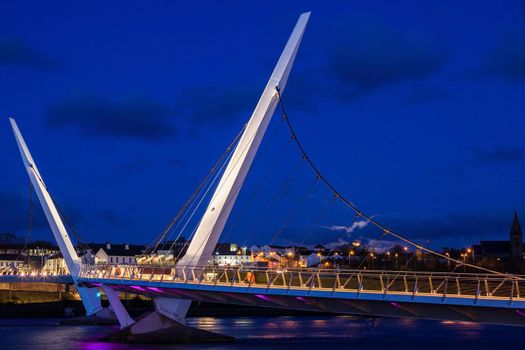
x=15 y=52
x=136 y=118
x=507 y=59
x=500 y=154
x=374 y=56
x=217 y=105
x=330 y=236
x=349 y=229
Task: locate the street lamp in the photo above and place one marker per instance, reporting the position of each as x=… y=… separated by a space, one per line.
x=397 y=260
x=471 y=251
x=350 y=253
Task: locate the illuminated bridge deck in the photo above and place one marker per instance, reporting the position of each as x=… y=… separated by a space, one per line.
x=460 y=296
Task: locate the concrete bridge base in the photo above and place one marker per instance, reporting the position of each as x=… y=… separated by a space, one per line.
x=156 y=328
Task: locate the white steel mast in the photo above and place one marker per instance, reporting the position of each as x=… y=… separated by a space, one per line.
x=88 y=295
x=212 y=223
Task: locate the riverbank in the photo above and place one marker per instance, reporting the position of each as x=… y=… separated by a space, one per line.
x=74 y=308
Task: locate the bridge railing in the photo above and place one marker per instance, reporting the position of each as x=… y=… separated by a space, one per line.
x=358 y=281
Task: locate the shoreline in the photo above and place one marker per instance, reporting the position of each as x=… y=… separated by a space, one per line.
x=136 y=308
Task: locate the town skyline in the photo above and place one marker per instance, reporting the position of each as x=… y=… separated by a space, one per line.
x=18 y=257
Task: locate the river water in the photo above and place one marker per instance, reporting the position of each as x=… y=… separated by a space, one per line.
x=313 y=332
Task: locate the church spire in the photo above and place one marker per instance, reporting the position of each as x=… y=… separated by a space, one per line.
x=515 y=230
x=516 y=240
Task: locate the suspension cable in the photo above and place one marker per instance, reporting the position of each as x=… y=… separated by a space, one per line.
x=225 y=177
x=212 y=183
x=156 y=243
x=267 y=209
x=318 y=220
x=360 y=213
x=293 y=211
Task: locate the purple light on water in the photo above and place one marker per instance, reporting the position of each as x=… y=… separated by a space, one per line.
x=137 y=288
x=394 y=304
x=263 y=297
x=521 y=313
x=96 y=284
x=179 y=292
x=155 y=289
x=301 y=299
x=86 y=345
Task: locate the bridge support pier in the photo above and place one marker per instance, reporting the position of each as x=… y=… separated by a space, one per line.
x=98 y=316
x=119 y=310
x=165 y=325
x=153 y=327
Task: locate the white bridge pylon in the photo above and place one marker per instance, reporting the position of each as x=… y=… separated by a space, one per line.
x=206 y=236
x=88 y=295
x=211 y=225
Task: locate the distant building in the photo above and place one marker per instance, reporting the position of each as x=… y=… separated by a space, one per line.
x=109 y=253
x=286 y=256
x=490 y=253
x=230 y=254
x=29 y=256
x=55 y=264
x=267 y=249
x=172 y=250
x=10 y=262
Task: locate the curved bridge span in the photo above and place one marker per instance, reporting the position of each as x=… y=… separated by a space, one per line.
x=447 y=296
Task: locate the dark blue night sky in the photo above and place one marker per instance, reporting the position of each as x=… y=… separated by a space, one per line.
x=414 y=110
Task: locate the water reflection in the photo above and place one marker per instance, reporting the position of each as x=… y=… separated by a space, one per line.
x=320 y=332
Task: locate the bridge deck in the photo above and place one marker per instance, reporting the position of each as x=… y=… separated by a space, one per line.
x=431 y=295
x=502 y=291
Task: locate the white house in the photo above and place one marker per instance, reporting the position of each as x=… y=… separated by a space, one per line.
x=116 y=253
x=229 y=254
x=55 y=264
